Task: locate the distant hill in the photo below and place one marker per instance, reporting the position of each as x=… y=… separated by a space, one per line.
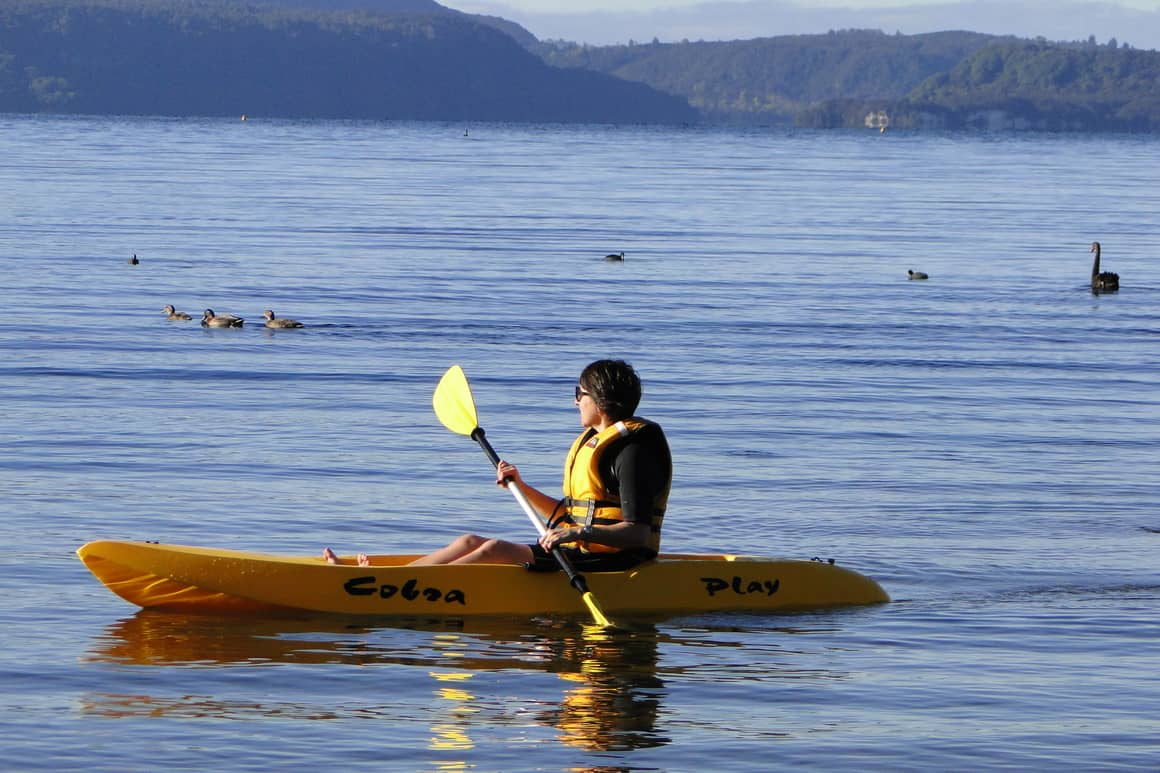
x=1086 y=87
x=1023 y=85
x=513 y=30
x=771 y=80
x=857 y=78
x=377 y=6
x=154 y=57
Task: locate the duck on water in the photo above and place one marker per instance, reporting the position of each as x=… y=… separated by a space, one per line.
x=279 y=322
x=172 y=313
x=209 y=319
x=1106 y=281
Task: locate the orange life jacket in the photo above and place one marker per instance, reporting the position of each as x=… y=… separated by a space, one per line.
x=588 y=501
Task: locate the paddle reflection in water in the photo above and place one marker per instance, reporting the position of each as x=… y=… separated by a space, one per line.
x=611 y=699
x=616 y=697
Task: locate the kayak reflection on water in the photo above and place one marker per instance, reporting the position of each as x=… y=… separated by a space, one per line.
x=611 y=696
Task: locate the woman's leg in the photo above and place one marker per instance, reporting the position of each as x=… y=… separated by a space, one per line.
x=497 y=551
x=459 y=547
x=473 y=549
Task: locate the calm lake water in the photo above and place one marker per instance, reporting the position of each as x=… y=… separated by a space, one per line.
x=983 y=443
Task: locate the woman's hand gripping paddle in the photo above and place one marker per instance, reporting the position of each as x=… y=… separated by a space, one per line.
x=455 y=408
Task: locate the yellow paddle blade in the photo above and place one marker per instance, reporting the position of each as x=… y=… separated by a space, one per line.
x=453 y=402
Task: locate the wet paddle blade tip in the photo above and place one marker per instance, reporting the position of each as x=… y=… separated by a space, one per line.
x=598 y=616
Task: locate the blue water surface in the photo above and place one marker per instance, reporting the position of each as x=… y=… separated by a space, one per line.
x=982 y=443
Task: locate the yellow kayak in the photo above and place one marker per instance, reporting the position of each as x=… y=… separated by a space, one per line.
x=212 y=580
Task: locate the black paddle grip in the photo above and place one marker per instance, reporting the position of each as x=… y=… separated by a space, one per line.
x=478 y=436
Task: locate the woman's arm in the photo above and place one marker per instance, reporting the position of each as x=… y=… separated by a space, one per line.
x=540 y=502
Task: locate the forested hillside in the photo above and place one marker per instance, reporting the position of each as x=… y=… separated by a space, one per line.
x=859 y=78
x=1024 y=85
x=183 y=59
x=773 y=79
x=1097 y=86
x=521 y=35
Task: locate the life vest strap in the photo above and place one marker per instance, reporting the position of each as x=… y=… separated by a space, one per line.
x=590 y=507
x=559 y=514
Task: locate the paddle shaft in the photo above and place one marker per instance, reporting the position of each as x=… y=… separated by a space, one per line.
x=577 y=580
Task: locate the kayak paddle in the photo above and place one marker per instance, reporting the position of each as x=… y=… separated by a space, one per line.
x=455 y=408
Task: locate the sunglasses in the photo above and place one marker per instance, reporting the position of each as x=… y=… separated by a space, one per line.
x=581 y=391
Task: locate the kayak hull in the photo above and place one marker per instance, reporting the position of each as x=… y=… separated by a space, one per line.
x=231 y=582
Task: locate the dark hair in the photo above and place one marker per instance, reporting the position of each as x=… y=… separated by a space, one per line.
x=614 y=386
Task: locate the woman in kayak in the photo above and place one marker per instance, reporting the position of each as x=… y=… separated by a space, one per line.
x=616 y=486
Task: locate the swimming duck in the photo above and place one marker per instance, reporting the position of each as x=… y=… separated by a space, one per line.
x=133 y=260
x=614 y=256
x=912 y=274
x=1106 y=282
x=209 y=319
x=272 y=321
x=172 y=313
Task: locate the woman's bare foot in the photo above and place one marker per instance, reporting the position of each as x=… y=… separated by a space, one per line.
x=329 y=556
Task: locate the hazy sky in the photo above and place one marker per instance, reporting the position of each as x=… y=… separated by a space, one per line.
x=601 y=22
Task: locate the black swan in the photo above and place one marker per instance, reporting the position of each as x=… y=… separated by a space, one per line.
x=1105 y=282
